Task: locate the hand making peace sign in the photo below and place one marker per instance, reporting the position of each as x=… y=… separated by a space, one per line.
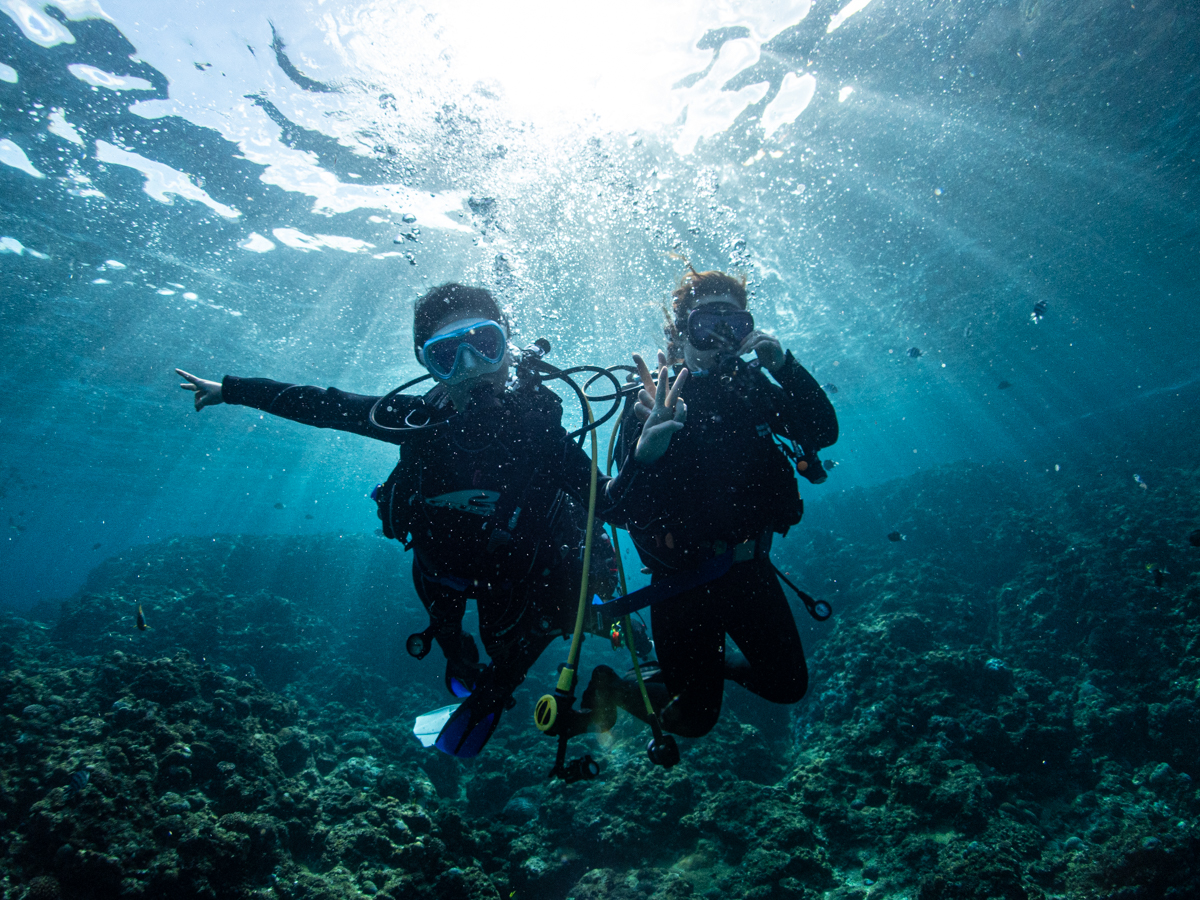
x=662 y=412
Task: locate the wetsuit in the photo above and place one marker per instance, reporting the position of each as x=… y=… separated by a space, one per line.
x=724 y=481
x=493 y=503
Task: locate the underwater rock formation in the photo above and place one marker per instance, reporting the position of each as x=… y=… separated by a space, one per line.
x=1007 y=704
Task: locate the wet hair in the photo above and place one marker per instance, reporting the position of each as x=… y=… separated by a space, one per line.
x=693 y=287
x=452 y=301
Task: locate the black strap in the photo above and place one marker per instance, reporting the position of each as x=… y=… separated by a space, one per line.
x=669 y=587
x=818 y=609
x=685 y=581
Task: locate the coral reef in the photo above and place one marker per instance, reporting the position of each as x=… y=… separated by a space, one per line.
x=1007 y=705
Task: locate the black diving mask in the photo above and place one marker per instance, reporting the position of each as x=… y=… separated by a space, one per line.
x=713 y=327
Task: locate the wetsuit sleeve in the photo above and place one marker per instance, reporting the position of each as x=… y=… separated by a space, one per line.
x=320 y=407
x=622 y=502
x=805 y=414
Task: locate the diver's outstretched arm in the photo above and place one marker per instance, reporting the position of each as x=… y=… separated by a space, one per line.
x=208 y=393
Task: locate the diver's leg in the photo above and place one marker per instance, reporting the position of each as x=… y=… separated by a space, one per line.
x=446 y=607
x=758 y=618
x=690 y=642
x=513 y=650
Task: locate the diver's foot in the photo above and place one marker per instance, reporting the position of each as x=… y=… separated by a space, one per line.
x=572 y=722
x=651 y=671
x=601 y=698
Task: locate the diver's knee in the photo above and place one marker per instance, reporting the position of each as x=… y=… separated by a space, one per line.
x=689 y=723
x=788 y=690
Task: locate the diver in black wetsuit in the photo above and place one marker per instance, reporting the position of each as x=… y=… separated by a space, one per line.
x=724 y=483
x=491 y=497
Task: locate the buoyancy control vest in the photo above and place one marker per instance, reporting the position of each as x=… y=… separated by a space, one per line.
x=483 y=503
x=724 y=479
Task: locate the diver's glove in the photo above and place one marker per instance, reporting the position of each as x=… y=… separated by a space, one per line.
x=469 y=728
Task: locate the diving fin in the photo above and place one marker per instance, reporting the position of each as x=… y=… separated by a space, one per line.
x=464 y=735
x=428 y=726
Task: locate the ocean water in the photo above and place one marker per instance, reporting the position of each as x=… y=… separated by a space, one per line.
x=224 y=189
x=1007 y=186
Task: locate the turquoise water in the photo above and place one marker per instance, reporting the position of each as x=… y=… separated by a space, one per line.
x=264 y=189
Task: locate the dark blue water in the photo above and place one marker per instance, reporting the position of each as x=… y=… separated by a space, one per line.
x=228 y=190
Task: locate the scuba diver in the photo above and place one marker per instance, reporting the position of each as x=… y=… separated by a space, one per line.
x=490 y=493
x=703 y=516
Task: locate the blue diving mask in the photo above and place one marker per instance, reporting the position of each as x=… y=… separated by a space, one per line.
x=483 y=338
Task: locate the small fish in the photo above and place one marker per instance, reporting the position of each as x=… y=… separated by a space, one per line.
x=1004 y=385
x=967 y=331
x=829 y=388
x=96 y=546
x=77 y=783
x=1039 y=310
x=279 y=506
x=308 y=515
x=829 y=464
x=914 y=352
x=896 y=537
x=1194 y=538
x=1158 y=573
x=1140 y=483
x=141 y=620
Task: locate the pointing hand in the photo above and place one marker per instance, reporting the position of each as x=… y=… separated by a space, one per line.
x=208 y=393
